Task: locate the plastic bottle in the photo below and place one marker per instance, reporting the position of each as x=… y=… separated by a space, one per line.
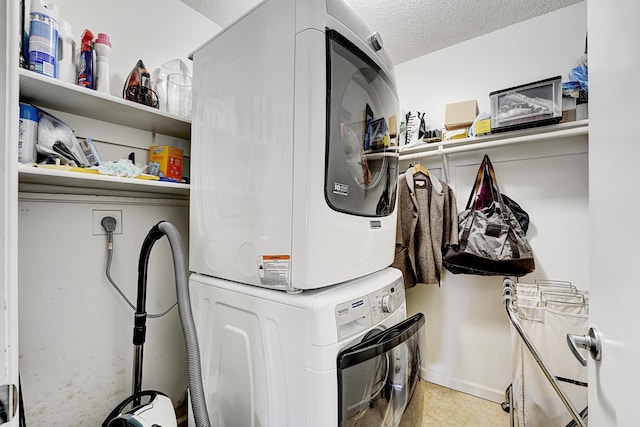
x=102 y=47
x=67 y=63
x=43 y=38
x=85 y=66
x=27 y=133
x=24 y=39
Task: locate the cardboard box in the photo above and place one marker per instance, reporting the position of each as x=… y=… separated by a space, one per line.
x=165 y=161
x=450 y=135
x=568 y=116
x=460 y=114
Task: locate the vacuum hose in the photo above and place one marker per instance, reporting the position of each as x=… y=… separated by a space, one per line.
x=194 y=370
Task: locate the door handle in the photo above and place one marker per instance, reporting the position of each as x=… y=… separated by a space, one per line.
x=591 y=342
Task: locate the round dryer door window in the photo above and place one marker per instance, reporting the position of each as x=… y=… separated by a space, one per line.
x=362 y=161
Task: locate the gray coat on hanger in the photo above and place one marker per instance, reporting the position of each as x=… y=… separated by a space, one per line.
x=427 y=220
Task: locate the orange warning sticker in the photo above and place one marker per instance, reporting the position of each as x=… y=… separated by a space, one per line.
x=274 y=270
x=276 y=257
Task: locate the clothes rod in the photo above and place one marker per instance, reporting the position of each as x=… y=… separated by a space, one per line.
x=441 y=149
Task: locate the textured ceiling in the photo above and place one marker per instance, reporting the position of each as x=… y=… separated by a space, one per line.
x=412 y=28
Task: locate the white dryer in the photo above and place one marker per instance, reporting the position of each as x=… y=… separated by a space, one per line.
x=326 y=357
x=293 y=175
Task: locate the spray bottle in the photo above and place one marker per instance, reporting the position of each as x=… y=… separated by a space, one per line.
x=85 y=66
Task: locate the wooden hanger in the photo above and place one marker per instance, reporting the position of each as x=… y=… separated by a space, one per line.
x=418 y=168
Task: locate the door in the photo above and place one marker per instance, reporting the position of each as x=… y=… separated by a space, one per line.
x=377 y=377
x=614 y=208
x=8 y=212
x=361 y=167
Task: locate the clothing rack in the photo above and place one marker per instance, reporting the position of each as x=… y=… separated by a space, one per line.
x=579 y=418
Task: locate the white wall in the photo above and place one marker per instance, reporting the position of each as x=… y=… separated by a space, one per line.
x=468 y=335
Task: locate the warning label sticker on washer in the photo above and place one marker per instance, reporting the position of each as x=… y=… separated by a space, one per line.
x=274 y=270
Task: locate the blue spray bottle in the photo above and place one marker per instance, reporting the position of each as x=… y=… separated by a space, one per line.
x=85 y=67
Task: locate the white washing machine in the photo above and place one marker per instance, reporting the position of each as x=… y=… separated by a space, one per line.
x=336 y=356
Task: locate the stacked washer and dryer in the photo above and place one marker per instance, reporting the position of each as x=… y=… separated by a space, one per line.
x=293 y=189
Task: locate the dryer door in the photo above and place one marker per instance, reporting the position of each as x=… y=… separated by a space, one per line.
x=377 y=377
x=362 y=107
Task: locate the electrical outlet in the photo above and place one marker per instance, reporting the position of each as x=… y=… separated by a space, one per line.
x=97 y=216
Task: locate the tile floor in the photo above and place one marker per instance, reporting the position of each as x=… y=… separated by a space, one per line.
x=436 y=406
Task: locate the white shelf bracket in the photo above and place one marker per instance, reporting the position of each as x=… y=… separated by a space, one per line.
x=445 y=162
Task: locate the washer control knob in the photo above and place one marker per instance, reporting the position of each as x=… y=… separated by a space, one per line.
x=386 y=304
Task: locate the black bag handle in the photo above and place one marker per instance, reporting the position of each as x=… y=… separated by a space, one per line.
x=476 y=188
x=504 y=213
x=494 y=185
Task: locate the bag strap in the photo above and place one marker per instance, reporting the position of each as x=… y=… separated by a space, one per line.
x=473 y=197
x=511 y=235
x=497 y=195
x=479 y=177
x=492 y=188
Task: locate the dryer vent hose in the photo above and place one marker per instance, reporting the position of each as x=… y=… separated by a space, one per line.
x=194 y=371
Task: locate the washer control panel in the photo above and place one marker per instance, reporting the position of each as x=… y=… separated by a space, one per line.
x=355 y=316
x=386 y=301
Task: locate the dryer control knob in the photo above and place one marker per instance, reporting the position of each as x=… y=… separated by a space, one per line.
x=376 y=41
x=386 y=304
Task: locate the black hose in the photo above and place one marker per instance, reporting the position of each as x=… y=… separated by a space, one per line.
x=140 y=316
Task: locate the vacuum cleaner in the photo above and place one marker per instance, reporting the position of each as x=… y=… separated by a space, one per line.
x=151 y=408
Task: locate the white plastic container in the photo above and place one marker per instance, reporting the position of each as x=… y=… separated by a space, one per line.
x=43 y=38
x=102 y=48
x=27 y=133
x=528 y=105
x=67 y=62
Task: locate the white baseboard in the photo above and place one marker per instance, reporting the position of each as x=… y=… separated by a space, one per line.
x=457 y=384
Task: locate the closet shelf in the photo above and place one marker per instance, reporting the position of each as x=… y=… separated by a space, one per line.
x=43 y=180
x=562 y=130
x=47 y=92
